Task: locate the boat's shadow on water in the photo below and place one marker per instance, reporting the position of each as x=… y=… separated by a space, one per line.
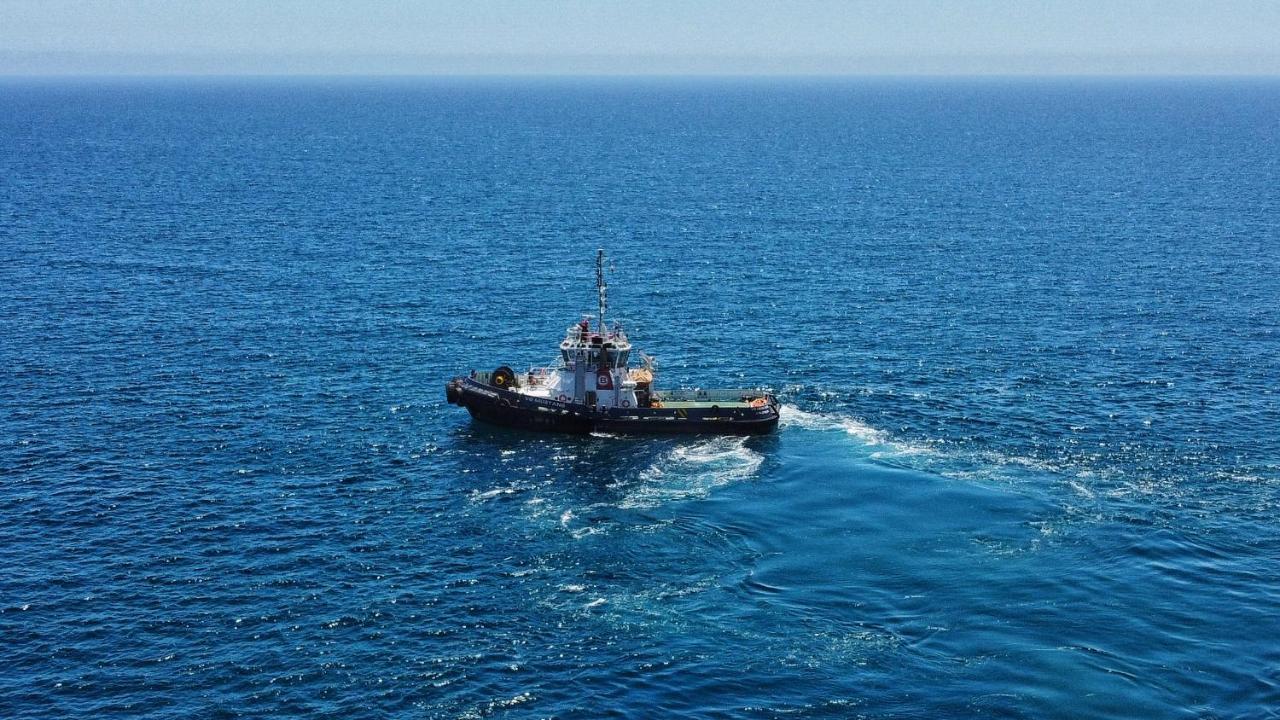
x=609 y=469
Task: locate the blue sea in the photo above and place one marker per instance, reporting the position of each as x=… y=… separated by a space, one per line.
x=1026 y=334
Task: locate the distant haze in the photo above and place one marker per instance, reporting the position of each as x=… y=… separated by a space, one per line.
x=325 y=37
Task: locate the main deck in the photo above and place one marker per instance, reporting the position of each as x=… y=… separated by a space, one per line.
x=534 y=384
x=697 y=411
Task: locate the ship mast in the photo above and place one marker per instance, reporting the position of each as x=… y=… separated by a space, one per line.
x=600 y=286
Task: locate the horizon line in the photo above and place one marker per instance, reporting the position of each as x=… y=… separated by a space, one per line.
x=60 y=63
x=71 y=76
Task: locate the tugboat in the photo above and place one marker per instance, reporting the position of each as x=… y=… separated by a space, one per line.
x=592 y=388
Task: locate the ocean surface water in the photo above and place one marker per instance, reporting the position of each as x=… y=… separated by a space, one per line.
x=1026 y=334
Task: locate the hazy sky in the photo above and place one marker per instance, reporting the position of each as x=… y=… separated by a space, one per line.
x=640 y=36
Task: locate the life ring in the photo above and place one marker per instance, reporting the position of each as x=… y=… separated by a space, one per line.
x=563 y=398
x=626 y=403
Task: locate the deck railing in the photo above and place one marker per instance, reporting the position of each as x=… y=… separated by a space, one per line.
x=698 y=395
x=535 y=377
x=540 y=375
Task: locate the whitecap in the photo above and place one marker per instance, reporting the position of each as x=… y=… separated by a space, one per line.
x=495 y=492
x=693 y=470
x=792 y=416
x=1080 y=489
x=584 y=532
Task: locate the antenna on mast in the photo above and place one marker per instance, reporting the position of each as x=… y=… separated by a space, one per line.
x=600 y=286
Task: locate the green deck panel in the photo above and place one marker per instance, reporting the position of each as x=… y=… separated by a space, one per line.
x=702 y=404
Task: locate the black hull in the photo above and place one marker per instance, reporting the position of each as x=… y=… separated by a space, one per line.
x=514 y=410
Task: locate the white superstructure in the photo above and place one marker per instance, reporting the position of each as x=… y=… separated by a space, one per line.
x=593 y=368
